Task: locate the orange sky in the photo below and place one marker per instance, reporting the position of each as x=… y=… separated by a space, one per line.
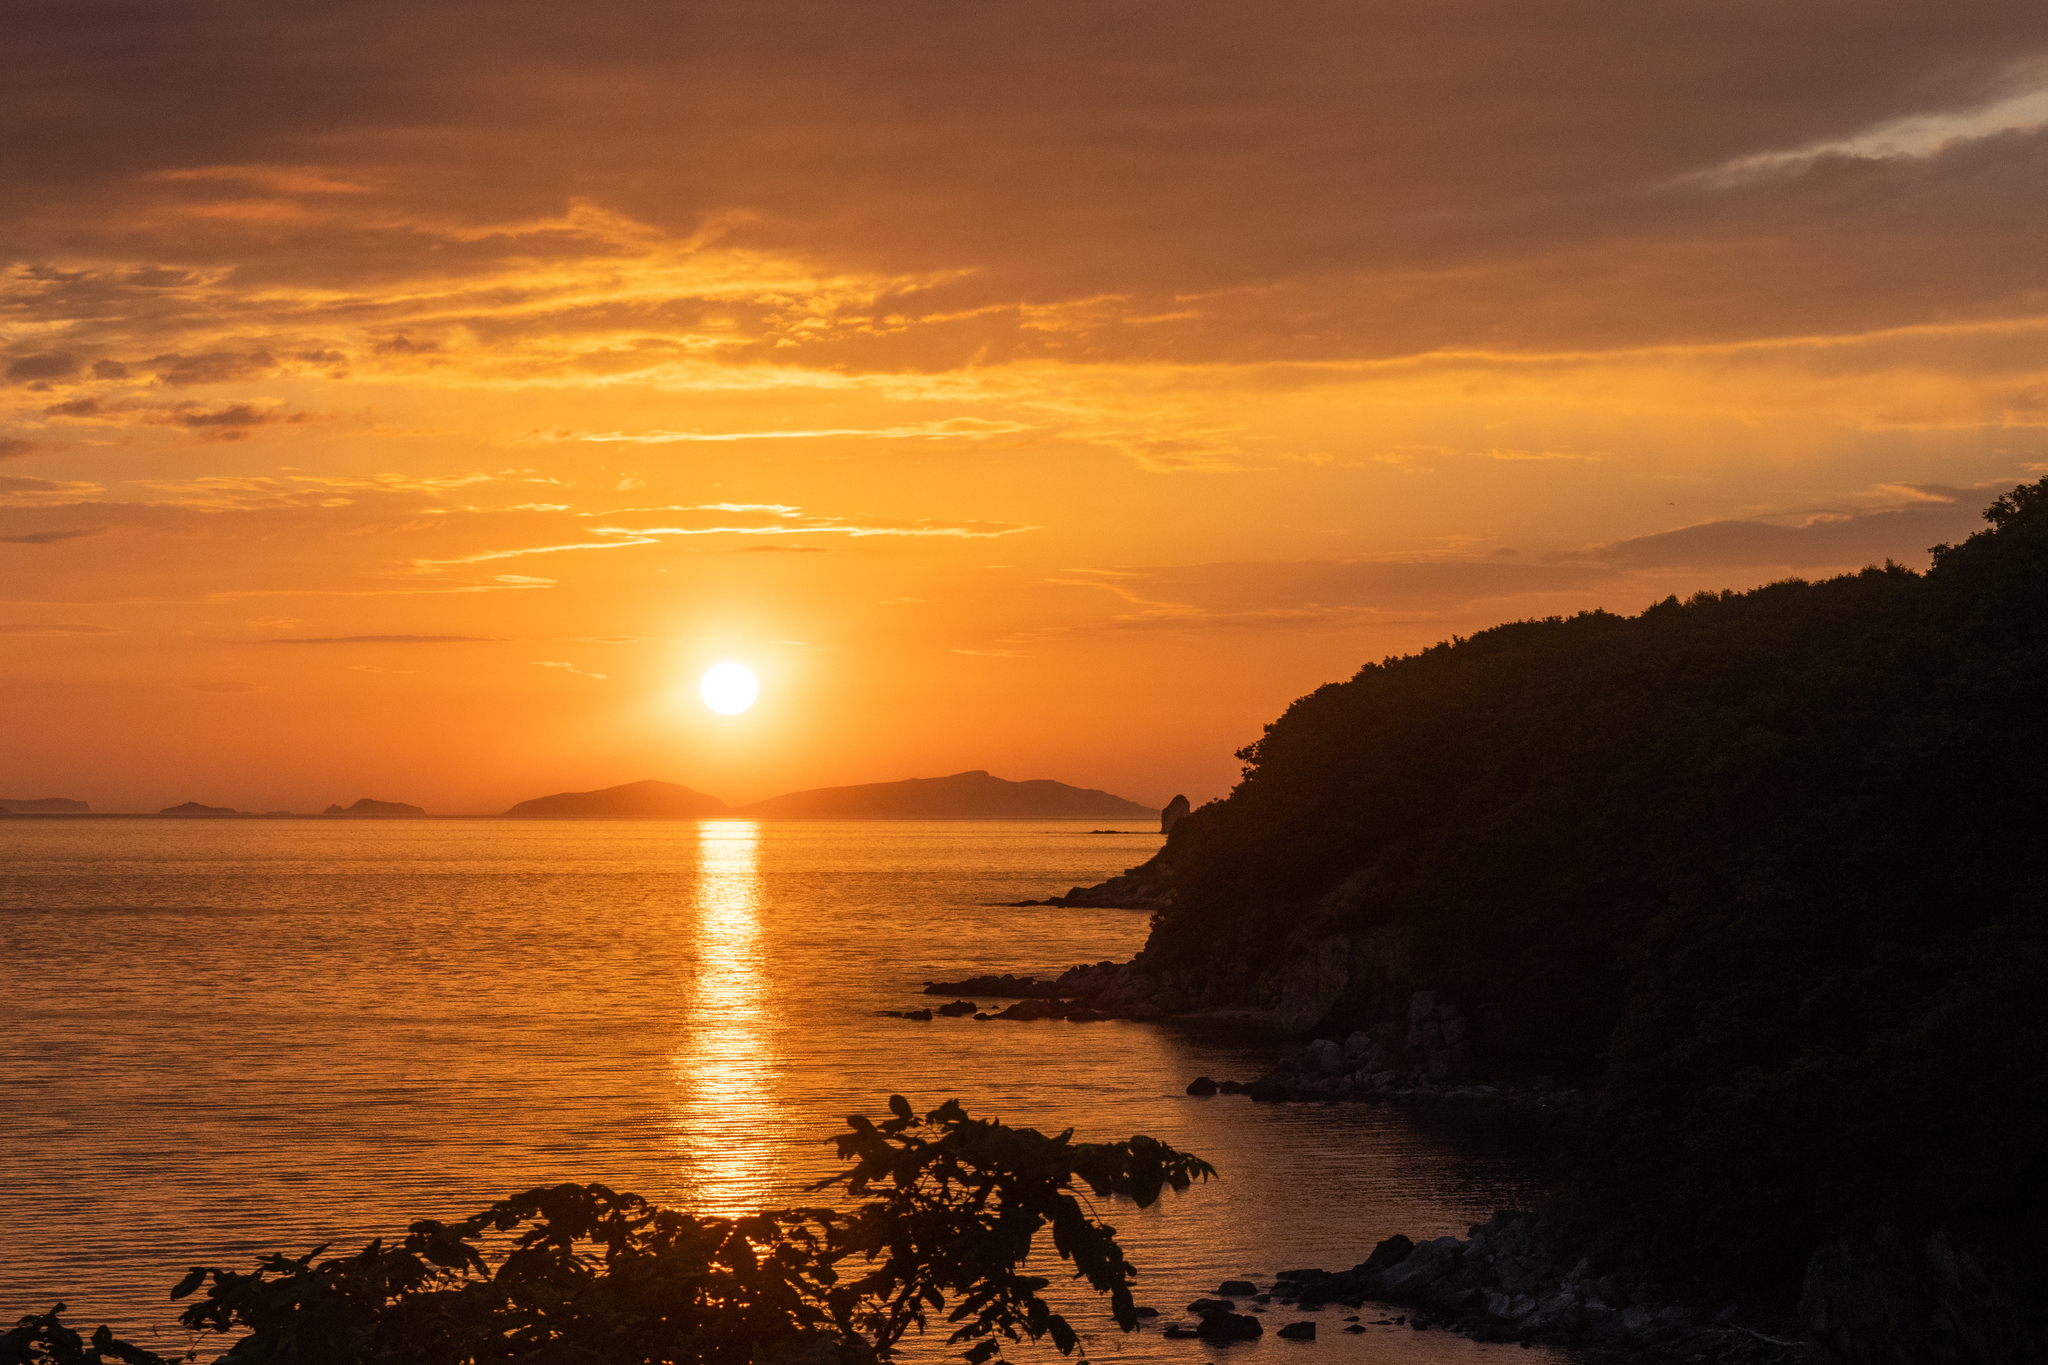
x=1058 y=389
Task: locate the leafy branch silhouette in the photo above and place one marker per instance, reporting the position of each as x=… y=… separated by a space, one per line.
x=952 y=1207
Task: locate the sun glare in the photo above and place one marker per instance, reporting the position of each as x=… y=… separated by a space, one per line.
x=729 y=689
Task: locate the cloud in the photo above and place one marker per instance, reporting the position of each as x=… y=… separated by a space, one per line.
x=214 y=367
x=14 y=447
x=231 y=423
x=278 y=179
x=1913 y=135
x=382 y=640
x=18 y=490
x=1285 y=595
x=50 y=537
x=782 y=549
x=49 y=365
x=746 y=519
x=55 y=629
x=1832 y=539
x=972 y=428
x=565 y=667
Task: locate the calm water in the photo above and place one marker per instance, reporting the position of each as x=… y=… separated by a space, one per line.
x=221 y=1039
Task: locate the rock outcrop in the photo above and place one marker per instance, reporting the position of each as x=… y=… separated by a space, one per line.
x=382 y=810
x=1500 y=1283
x=44 y=805
x=1171 y=816
x=1004 y=987
x=1143 y=887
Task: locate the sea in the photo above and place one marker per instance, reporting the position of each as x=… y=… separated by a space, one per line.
x=223 y=1038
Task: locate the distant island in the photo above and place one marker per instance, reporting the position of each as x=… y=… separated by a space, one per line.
x=198 y=808
x=648 y=800
x=43 y=805
x=365 y=807
x=963 y=796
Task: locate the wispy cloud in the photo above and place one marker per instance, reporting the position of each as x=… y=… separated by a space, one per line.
x=1914 y=135
x=18 y=490
x=382 y=640
x=973 y=428
x=774 y=519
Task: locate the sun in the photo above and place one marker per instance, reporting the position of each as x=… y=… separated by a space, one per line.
x=729 y=689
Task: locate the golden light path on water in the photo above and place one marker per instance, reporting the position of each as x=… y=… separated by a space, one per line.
x=722 y=1066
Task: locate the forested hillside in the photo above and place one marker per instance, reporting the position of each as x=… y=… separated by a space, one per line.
x=1764 y=867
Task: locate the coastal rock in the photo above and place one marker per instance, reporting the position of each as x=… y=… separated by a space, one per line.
x=1325 y=1055
x=1202 y=1085
x=1386 y=1255
x=1424 y=1266
x=1298 y=1331
x=1005 y=987
x=1175 y=810
x=1202 y=1307
x=1230 y=1327
x=957 y=1008
x=1033 y=1009
x=1237 y=1289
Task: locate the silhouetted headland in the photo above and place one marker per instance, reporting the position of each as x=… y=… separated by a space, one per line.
x=963 y=796
x=649 y=800
x=1761 y=871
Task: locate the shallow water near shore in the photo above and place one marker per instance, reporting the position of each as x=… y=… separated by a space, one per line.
x=228 y=1038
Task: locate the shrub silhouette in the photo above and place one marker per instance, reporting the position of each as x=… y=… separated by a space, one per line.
x=949 y=1209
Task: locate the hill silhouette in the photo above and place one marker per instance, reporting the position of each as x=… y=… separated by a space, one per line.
x=970 y=795
x=649 y=800
x=44 y=805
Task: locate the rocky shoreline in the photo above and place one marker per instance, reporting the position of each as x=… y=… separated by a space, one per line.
x=1498 y=1284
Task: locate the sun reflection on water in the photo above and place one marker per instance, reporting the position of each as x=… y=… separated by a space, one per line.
x=722 y=1071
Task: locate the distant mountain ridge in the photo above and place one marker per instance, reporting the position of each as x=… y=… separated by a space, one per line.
x=43 y=805
x=649 y=800
x=962 y=796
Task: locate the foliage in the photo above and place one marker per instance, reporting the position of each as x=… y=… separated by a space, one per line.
x=594 y=1276
x=1739 y=857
